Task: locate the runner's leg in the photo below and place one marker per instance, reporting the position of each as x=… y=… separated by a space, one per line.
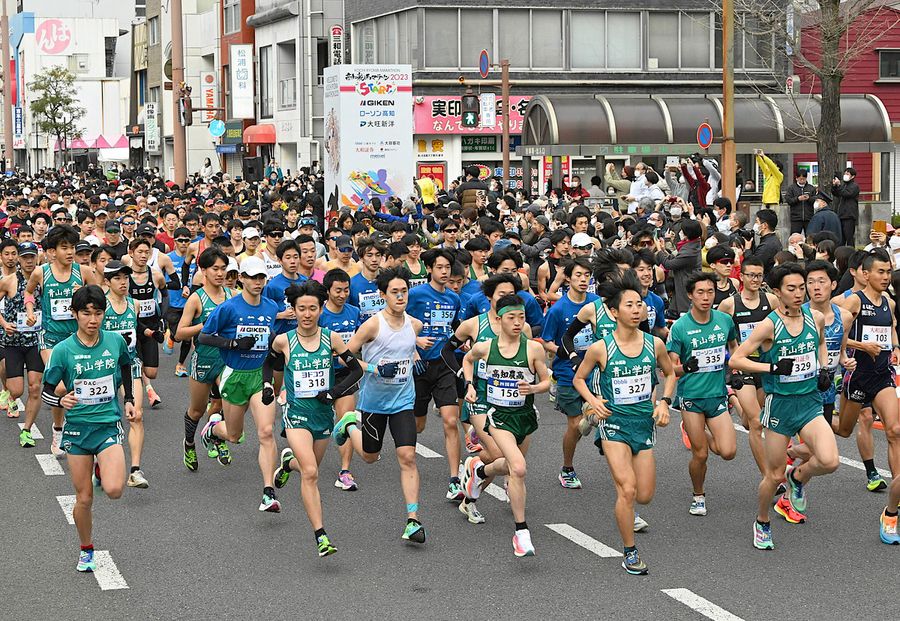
x=264 y=418
x=621 y=467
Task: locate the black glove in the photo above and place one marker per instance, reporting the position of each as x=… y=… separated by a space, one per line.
x=737 y=381
x=245 y=343
x=825 y=380
x=127 y=337
x=783 y=367
x=325 y=397
x=574 y=362
x=419 y=367
x=691 y=365
x=159 y=336
x=268 y=394
x=388 y=369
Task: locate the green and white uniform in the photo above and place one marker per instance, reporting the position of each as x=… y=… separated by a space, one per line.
x=485 y=332
x=206 y=361
x=507 y=408
x=627 y=384
x=306 y=374
x=56 y=306
x=605 y=323
x=792 y=400
x=704 y=391
x=94 y=423
x=125 y=323
x=420 y=277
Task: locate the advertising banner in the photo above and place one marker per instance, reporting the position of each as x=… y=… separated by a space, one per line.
x=443 y=115
x=207 y=96
x=241 y=68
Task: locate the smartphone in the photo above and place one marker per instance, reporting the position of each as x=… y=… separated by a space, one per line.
x=879 y=226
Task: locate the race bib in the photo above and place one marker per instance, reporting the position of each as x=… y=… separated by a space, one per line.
x=631 y=389
x=834 y=357
x=370 y=303
x=415 y=282
x=746 y=329
x=442 y=318
x=95 y=391
x=61 y=309
x=504 y=392
x=146 y=308
x=22 y=322
x=404 y=370
x=877 y=334
x=481 y=369
x=651 y=315
x=806 y=366
x=310 y=382
x=584 y=338
x=710 y=359
x=260 y=333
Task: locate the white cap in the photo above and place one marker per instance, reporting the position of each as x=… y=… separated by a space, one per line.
x=894 y=243
x=103 y=197
x=581 y=240
x=232 y=265
x=152 y=199
x=250 y=232
x=253 y=266
x=120 y=202
x=26 y=192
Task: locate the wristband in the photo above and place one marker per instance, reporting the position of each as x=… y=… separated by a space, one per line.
x=371 y=368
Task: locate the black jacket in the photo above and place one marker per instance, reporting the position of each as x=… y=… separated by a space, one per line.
x=801 y=211
x=825 y=220
x=766 y=248
x=681 y=265
x=847 y=196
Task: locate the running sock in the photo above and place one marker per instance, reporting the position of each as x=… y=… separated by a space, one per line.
x=890 y=513
x=319 y=533
x=55 y=428
x=135 y=469
x=88 y=548
x=269 y=491
x=480 y=472
x=870 y=467
x=521 y=526
x=630 y=549
x=413 y=521
x=568 y=469
x=766 y=523
x=190 y=429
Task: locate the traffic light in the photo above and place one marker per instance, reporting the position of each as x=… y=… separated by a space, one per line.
x=471 y=109
x=187 y=111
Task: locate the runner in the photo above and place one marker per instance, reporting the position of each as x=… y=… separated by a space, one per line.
x=177 y=299
x=792 y=357
x=417 y=269
x=364 y=293
x=512 y=363
x=437 y=307
x=288 y=253
x=621 y=396
x=697 y=345
x=84 y=374
x=206 y=362
x=387 y=396
x=720 y=258
x=240 y=327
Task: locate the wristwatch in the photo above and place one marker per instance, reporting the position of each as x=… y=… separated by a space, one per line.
x=668 y=400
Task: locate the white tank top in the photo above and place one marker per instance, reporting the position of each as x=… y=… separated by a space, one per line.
x=153 y=263
x=273 y=267
x=379 y=395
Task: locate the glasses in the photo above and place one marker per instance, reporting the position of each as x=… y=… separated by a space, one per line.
x=754 y=276
x=645 y=244
x=275 y=234
x=183 y=240
x=451 y=230
x=62 y=219
x=347 y=249
x=129 y=223
x=254 y=213
x=333 y=239
x=725 y=262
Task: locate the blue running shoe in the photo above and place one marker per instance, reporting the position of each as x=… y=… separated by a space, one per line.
x=86 y=561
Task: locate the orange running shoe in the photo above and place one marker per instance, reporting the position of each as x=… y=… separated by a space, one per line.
x=784 y=509
x=684 y=437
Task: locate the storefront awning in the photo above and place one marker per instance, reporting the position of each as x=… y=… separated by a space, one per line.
x=260 y=134
x=599 y=125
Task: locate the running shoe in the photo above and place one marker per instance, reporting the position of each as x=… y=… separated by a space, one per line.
x=190 y=458
x=13 y=411
x=223 y=453
x=472 y=443
x=877 y=424
x=207 y=436
x=781 y=489
x=414 y=532
x=888 y=531
x=795 y=491
x=640 y=524
x=875 y=483
x=632 y=563
x=471 y=482
x=25 y=439
x=242 y=438
x=211 y=451
x=339 y=433
x=698 y=505
x=4 y=399
x=325 y=546
x=180 y=371
x=455 y=491
x=283 y=472
x=762 y=536
x=168 y=345
x=86 y=561
x=346 y=482
x=684 y=437
x=138 y=480
x=95 y=478
x=522 y=545
x=471 y=512
x=569 y=480
x=55 y=444
x=153 y=397
x=270 y=504
x=789 y=513
x=587 y=424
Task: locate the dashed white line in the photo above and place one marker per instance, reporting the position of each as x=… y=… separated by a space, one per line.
x=426 y=452
x=585 y=541
x=701 y=605
x=107 y=574
x=35 y=432
x=67 y=504
x=50 y=465
x=497 y=492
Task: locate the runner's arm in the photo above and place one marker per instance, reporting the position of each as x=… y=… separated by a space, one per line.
x=740 y=360
x=594 y=357
x=567 y=349
x=666 y=366
x=539 y=362
x=478 y=352
x=185 y=331
x=34 y=281
x=354 y=367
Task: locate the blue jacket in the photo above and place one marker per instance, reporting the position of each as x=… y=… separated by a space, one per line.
x=825 y=220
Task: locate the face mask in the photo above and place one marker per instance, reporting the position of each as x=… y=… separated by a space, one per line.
x=611 y=192
x=675 y=212
x=748 y=188
x=756 y=228
x=818 y=205
x=846 y=178
x=801 y=184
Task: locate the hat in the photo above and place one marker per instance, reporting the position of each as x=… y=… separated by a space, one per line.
x=28 y=248
x=543 y=221
x=120 y=202
x=253 y=266
x=535 y=209
x=822 y=196
x=83 y=246
x=581 y=240
x=307 y=222
x=146 y=229
x=719 y=253
x=101 y=211
x=232 y=265
x=888 y=228
x=502 y=244
x=250 y=232
x=116 y=267
x=113 y=227
x=152 y=199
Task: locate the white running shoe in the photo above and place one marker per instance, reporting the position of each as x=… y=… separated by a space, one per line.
x=471 y=512
x=640 y=524
x=56 y=444
x=137 y=479
x=698 y=505
x=522 y=545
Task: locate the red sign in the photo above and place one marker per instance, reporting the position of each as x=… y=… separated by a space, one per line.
x=565 y=167
x=704 y=135
x=443 y=115
x=437 y=171
x=53 y=36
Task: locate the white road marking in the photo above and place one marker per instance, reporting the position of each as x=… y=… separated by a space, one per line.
x=701 y=605
x=107 y=574
x=50 y=465
x=35 y=432
x=67 y=503
x=426 y=452
x=497 y=492
x=585 y=541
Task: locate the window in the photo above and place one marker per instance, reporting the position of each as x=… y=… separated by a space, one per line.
x=142 y=87
x=694 y=40
x=663 y=32
x=287 y=75
x=546 y=39
x=476 y=33
x=753 y=43
x=588 y=39
x=441 y=40
x=597 y=39
x=514 y=33
x=623 y=50
x=153 y=27
x=265 y=81
x=386 y=36
x=889 y=64
x=232 y=16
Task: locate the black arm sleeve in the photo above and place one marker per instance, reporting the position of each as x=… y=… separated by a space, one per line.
x=127 y=383
x=186 y=273
x=567 y=350
x=174 y=283
x=214 y=340
x=354 y=375
x=448 y=354
x=268 y=368
x=48 y=395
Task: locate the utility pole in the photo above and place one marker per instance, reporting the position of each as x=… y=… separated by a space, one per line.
x=178 y=138
x=7 y=93
x=729 y=162
x=504 y=141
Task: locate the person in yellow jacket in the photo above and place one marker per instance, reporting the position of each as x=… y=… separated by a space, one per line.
x=772 y=178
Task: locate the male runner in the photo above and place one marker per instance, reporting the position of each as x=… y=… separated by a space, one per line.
x=364 y=293
x=177 y=299
x=413 y=262
x=288 y=253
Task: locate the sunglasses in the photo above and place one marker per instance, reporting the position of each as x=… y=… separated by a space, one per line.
x=333 y=239
x=183 y=240
x=725 y=262
x=62 y=219
x=129 y=223
x=451 y=230
x=254 y=213
x=347 y=249
x=645 y=244
x=275 y=234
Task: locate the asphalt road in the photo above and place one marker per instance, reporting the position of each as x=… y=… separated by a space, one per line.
x=193 y=545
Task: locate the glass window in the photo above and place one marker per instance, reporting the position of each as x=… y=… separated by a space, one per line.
x=403 y=36
x=623 y=50
x=153 y=27
x=889 y=64
x=232 y=16
x=757 y=43
x=265 y=81
x=514 y=35
x=546 y=39
x=694 y=40
x=738 y=45
x=476 y=33
x=587 y=45
x=387 y=39
x=441 y=38
x=663 y=29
